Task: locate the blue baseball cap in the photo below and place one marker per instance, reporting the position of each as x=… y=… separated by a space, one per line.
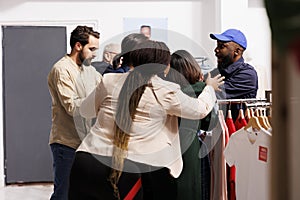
x=231 y=35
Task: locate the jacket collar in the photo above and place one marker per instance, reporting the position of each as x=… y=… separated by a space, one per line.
x=232 y=68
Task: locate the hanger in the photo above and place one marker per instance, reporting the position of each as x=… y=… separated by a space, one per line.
x=256 y=112
x=254 y=120
x=261 y=118
x=252 y=112
x=247 y=113
x=241 y=112
x=270 y=117
x=254 y=123
x=262 y=122
x=241 y=116
x=229 y=115
x=263 y=113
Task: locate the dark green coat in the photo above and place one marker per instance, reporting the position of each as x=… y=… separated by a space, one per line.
x=189 y=182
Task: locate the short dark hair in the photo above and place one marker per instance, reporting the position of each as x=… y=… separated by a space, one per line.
x=81 y=34
x=145 y=26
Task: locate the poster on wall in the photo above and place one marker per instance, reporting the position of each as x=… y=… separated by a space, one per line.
x=159 y=27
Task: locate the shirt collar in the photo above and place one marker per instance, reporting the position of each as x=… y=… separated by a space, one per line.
x=80 y=68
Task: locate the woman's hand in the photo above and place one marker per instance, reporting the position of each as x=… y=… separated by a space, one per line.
x=215 y=82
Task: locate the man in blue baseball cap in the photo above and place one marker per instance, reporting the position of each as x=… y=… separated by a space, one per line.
x=240 y=78
x=232 y=35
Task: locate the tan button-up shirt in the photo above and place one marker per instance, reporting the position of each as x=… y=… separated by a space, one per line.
x=69 y=84
x=154 y=137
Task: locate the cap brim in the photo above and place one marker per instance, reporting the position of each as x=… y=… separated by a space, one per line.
x=219 y=37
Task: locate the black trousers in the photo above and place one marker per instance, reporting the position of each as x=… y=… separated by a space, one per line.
x=90 y=173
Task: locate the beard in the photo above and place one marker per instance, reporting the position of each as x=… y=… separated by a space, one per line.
x=84 y=60
x=226 y=61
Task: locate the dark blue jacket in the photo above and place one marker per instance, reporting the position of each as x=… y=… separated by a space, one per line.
x=100 y=66
x=241 y=80
x=122 y=69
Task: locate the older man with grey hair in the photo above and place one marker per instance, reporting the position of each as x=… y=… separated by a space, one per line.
x=109 y=52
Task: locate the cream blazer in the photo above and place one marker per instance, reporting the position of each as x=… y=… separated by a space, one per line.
x=154 y=137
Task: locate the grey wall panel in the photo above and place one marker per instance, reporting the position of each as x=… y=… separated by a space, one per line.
x=28 y=55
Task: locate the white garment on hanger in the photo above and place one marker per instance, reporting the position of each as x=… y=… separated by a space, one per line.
x=250 y=152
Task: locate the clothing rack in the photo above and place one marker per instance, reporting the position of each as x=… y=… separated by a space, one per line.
x=250 y=100
x=204 y=66
x=250 y=103
x=259 y=104
x=201 y=58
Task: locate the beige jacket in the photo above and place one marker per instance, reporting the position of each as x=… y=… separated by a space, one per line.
x=154 y=133
x=69 y=84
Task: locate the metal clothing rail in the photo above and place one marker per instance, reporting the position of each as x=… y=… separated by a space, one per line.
x=201 y=58
x=259 y=104
x=250 y=100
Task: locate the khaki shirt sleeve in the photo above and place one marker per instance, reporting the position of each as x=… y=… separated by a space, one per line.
x=66 y=91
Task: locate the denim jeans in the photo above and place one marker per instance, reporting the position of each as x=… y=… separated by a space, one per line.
x=63 y=157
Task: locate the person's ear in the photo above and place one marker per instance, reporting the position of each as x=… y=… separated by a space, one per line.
x=107 y=57
x=78 y=46
x=237 y=51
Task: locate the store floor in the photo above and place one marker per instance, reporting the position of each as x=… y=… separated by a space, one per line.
x=34 y=191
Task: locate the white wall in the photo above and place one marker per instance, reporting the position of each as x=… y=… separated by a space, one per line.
x=250 y=17
x=189 y=25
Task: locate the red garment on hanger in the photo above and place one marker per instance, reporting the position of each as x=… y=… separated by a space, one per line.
x=230 y=125
x=240 y=123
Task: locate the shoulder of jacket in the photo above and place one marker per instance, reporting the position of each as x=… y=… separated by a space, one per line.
x=114 y=78
x=159 y=83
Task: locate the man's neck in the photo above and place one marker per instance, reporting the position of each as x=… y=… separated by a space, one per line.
x=74 y=57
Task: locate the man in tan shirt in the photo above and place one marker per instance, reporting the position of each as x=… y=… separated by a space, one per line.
x=70 y=81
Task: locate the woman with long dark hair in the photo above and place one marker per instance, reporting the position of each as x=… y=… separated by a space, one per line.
x=133 y=149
